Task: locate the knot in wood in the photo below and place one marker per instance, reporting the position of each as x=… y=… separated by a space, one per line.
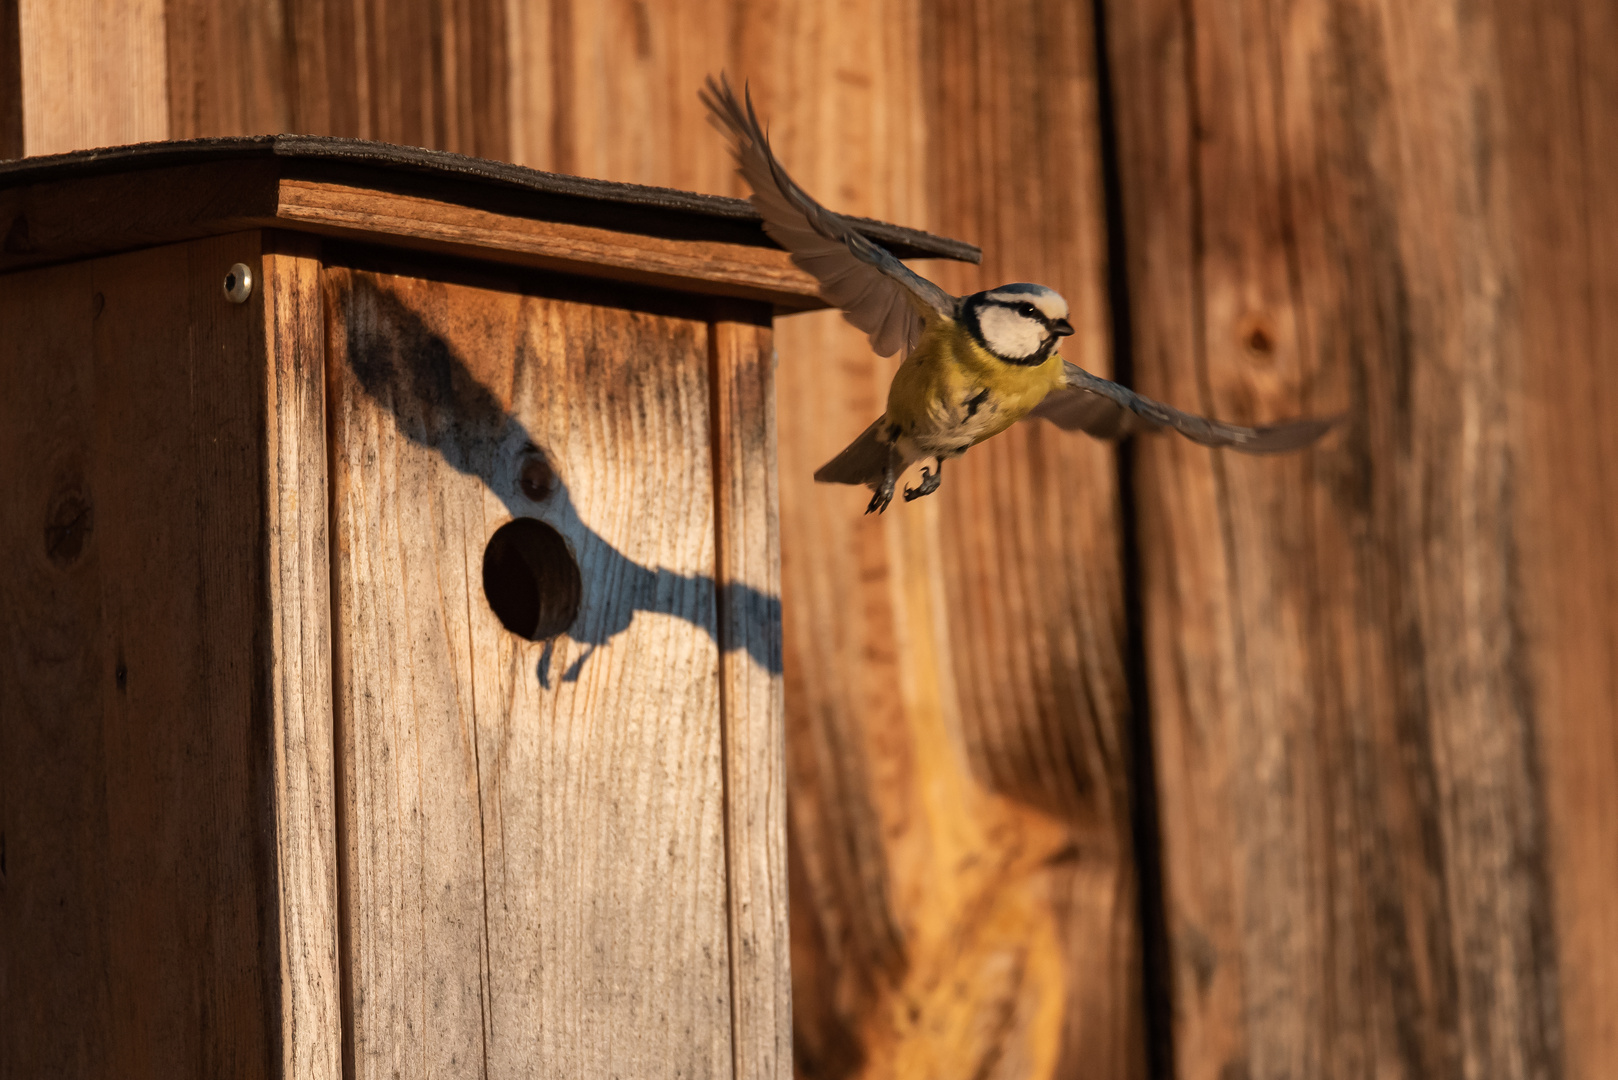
x=1257 y=336
x=67 y=526
x=537 y=479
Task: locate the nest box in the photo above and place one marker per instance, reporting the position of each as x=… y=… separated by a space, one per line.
x=390 y=679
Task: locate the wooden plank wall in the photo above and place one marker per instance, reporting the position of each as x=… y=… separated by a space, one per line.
x=1360 y=686
x=1561 y=98
x=1378 y=677
x=133 y=669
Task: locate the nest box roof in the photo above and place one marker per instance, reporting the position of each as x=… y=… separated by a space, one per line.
x=95 y=202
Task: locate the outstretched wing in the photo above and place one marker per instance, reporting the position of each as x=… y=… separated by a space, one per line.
x=1109 y=411
x=878 y=293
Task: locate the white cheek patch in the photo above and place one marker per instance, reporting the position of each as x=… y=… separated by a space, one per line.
x=1009 y=334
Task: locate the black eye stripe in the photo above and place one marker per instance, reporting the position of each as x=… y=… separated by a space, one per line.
x=1025 y=309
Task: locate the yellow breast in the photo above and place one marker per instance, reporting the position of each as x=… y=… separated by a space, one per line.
x=950 y=393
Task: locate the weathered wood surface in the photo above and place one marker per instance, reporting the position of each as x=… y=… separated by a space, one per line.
x=299 y=670
x=11 y=126
x=144 y=932
x=58 y=219
x=1357 y=684
x=957 y=709
x=757 y=273
x=91 y=73
x=748 y=584
x=535 y=870
x=1559 y=101
x=77 y=219
x=1030 y=535
x=1029 y=867
x=1379 y=675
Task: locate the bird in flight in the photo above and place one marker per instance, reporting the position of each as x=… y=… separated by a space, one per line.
x=973 y=365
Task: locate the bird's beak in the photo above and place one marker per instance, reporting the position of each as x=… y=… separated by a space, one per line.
x=1061 y=328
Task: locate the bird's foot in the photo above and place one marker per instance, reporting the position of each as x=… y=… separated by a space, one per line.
x=880 y=500
x=929 y=483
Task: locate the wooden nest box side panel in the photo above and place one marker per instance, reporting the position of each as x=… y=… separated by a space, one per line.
x=165 y=741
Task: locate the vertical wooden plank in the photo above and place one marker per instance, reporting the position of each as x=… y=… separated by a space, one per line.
x=182 y=678
x=232 y=69
x=882 y=813
x=1030 y=529
x=957 y=718
x=748 y=580
x=534 y=831
x=1316 y=217
x=412 y=831
x=1200 y=766
x=537 y=68
x=1561 y=110
x=11 y=141
x=298 y=666
x=623 y=76
x=415 y=74
x=427 y=75
x=94 y=73
x=53 y=685
x=132 y=764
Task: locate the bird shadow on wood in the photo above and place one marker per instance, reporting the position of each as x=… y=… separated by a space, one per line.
x=437 y=403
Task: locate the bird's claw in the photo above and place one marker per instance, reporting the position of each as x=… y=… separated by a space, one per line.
x=929 y=484
x=880 y=500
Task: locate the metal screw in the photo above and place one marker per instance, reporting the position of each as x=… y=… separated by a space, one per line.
x=239 y=284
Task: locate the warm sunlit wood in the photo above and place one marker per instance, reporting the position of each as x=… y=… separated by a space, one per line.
x=1377 y=676
x=1368 y=722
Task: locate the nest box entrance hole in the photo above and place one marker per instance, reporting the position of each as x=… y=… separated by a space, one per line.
x=531 y=579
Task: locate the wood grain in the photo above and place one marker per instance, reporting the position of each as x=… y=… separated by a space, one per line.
x=1030 y=553
x=228 y=62
x=299 y=669
x=917 y=947
x=11 y=129
x=78 y=218
x=608 y=89
x=1379 y=676
x=133 y=758
x=1561 y=108
x=1316 y=215
x=962 y=897
x=414 y=74
x=94 y=73
x=535 y=852
x=65 y=217
x=748 y=582
x=757 y=273
x=49 y=799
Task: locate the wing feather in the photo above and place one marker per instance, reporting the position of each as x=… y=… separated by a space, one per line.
x=876 y=292
x=1109 y=410
x=866 y=460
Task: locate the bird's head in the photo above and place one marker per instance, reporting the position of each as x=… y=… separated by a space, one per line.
x=1018 y=323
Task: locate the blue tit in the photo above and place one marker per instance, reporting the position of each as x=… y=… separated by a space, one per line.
x=973 y=365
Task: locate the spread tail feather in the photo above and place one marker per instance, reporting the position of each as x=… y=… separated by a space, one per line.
x=865 y=461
